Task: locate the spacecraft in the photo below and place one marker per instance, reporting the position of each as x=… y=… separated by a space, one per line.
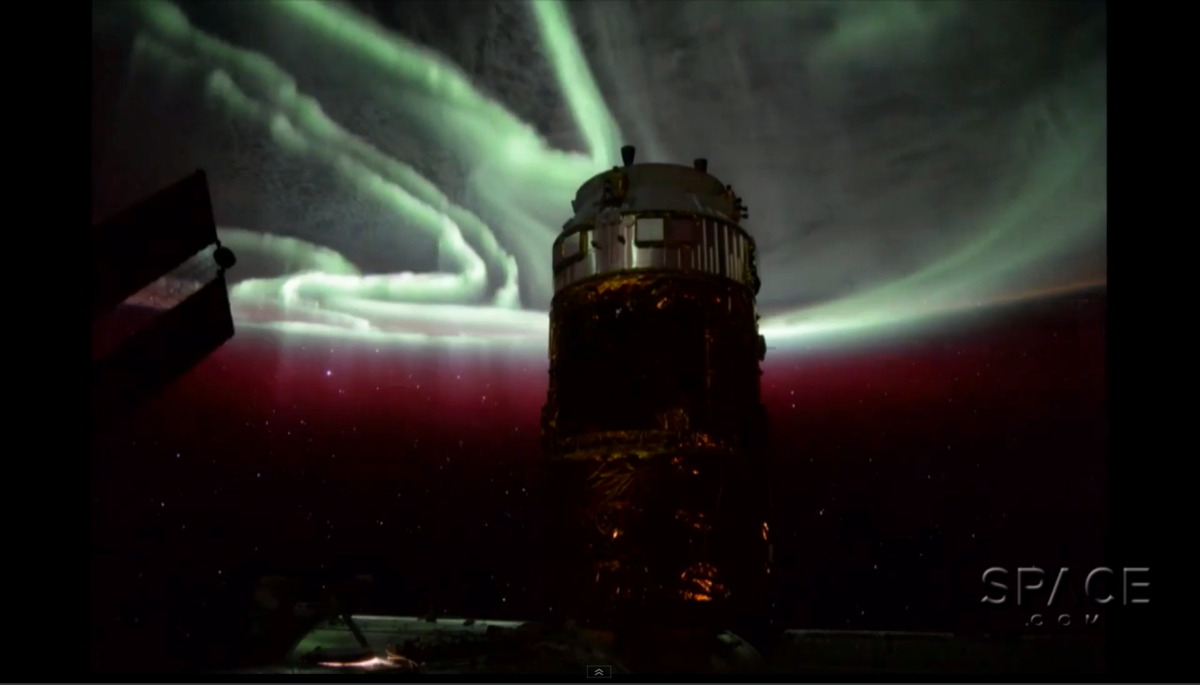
x=653 y=426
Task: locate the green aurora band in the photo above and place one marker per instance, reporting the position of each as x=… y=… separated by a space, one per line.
x=478 y=295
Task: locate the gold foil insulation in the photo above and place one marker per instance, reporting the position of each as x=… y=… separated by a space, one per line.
x=654 y=351
x=654 y=431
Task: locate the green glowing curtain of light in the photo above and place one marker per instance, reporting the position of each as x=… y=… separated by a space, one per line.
x=518 y=170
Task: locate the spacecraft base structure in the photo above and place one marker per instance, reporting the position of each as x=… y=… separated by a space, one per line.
x=653 y=428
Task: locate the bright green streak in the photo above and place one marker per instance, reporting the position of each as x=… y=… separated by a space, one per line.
x=428 y=86
x=571 y=67
x=1041 y=219
x=298 y=124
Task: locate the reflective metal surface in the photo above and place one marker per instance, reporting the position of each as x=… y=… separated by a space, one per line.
x=657 y=240
x=654 y=188
x=655 y=216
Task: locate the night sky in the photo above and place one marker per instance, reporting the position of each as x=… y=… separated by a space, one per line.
x=927 y=184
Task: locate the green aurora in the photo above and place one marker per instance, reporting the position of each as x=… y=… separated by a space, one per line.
x=493 y=278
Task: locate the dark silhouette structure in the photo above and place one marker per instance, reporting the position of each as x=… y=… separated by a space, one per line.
x=159 y=298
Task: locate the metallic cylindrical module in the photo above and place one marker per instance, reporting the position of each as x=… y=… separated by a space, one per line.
x=653 y=427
